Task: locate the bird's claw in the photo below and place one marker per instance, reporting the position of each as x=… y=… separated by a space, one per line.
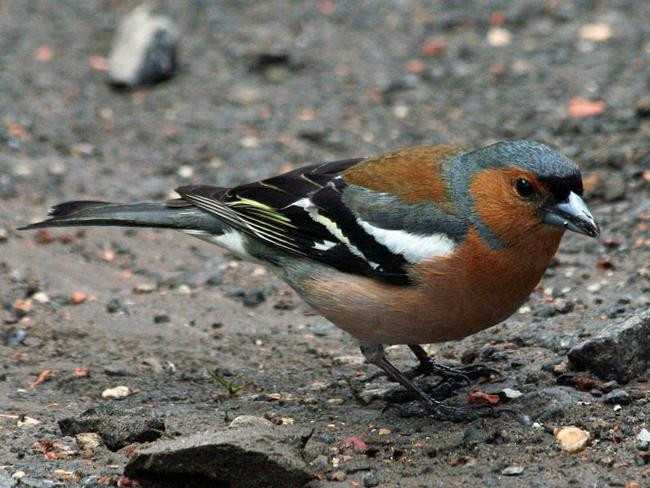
x=464 y=374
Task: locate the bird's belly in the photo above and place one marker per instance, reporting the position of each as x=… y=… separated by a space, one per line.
x=387 y=314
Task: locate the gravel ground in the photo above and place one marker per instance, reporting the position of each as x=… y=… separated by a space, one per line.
x=263 y=87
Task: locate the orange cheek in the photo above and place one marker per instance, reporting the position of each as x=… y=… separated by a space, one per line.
x=508 y=217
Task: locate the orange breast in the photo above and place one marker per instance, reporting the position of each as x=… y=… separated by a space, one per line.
x=475 y=288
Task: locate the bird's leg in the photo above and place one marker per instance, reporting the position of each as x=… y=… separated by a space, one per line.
x=376 y=355
x=428 y=366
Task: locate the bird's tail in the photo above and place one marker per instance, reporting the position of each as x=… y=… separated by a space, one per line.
x=172 y=215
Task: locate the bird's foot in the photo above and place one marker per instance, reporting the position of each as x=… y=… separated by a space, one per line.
x=464 y=375
x=448 y=374
x=439 y=411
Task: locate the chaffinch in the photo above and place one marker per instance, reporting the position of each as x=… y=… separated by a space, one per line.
x=419 y=245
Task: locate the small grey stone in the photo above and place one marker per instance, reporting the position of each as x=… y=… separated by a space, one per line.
x=617 y=397
x=6 y=481
x=512 y=471
x=321 y=462
x=113 y=306
x=369 y=479
x=511 y=394
x=249 y=421
x=643 y=435
x=91 y=482
x=144 y=49
x=38 y=483
x=609 y=386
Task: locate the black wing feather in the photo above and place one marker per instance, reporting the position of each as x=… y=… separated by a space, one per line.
x=266 y=210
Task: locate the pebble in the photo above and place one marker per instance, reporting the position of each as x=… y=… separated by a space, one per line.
x=643 y=107
x=184 y=289
x=609 y=386
x=338 y=476
x=18 y=475
x=321 y=462
x=88 y=443
x=161 y=319
x=40 y=297
x=644 y=440
x=562 y=305
x=113 y=306
x=371 y=393
x=27 y=422
x=185 y=171
x=144 y=288
x=512 y=471
x=597 y=32
x=511 y=394
x=4 y=233
x=39 y=483
x=572 y=439
x=249 y=421
x=254 y=297
x=369 y=480
x=15 y=337
x=78 y=297
x=144 y=49
x=643 y=435
x=617 y=397
x=498 y=37
x=117 y=392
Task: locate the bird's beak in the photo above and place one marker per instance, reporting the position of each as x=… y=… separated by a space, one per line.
x=572 y=214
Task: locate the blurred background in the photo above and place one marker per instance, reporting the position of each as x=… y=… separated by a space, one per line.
x=260 y=86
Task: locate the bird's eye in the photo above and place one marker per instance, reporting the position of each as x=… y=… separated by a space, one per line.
x=524 y=187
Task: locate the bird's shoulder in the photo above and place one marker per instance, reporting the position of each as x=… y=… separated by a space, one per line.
x=413 y=174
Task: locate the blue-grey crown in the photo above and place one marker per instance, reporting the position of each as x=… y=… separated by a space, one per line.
x=557 y=172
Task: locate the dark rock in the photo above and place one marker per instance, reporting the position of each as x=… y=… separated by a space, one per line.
x=144 y=49
x=161 y=319
x=253 y=297
x=618 y=396
x=116 y=426
x=643 y=107
x=214 y=280
x=251 y=456
x=113 y=306
x=620 y=352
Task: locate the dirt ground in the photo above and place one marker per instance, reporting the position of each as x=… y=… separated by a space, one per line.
x=263 y=87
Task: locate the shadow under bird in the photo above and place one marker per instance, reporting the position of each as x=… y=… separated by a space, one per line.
x=419 y=245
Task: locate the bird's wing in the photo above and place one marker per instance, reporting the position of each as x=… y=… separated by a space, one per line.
x=321 y=213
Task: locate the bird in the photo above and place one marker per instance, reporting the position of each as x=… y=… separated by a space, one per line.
x=415 y=246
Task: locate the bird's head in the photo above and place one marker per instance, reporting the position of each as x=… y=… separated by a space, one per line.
x=524 y=188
